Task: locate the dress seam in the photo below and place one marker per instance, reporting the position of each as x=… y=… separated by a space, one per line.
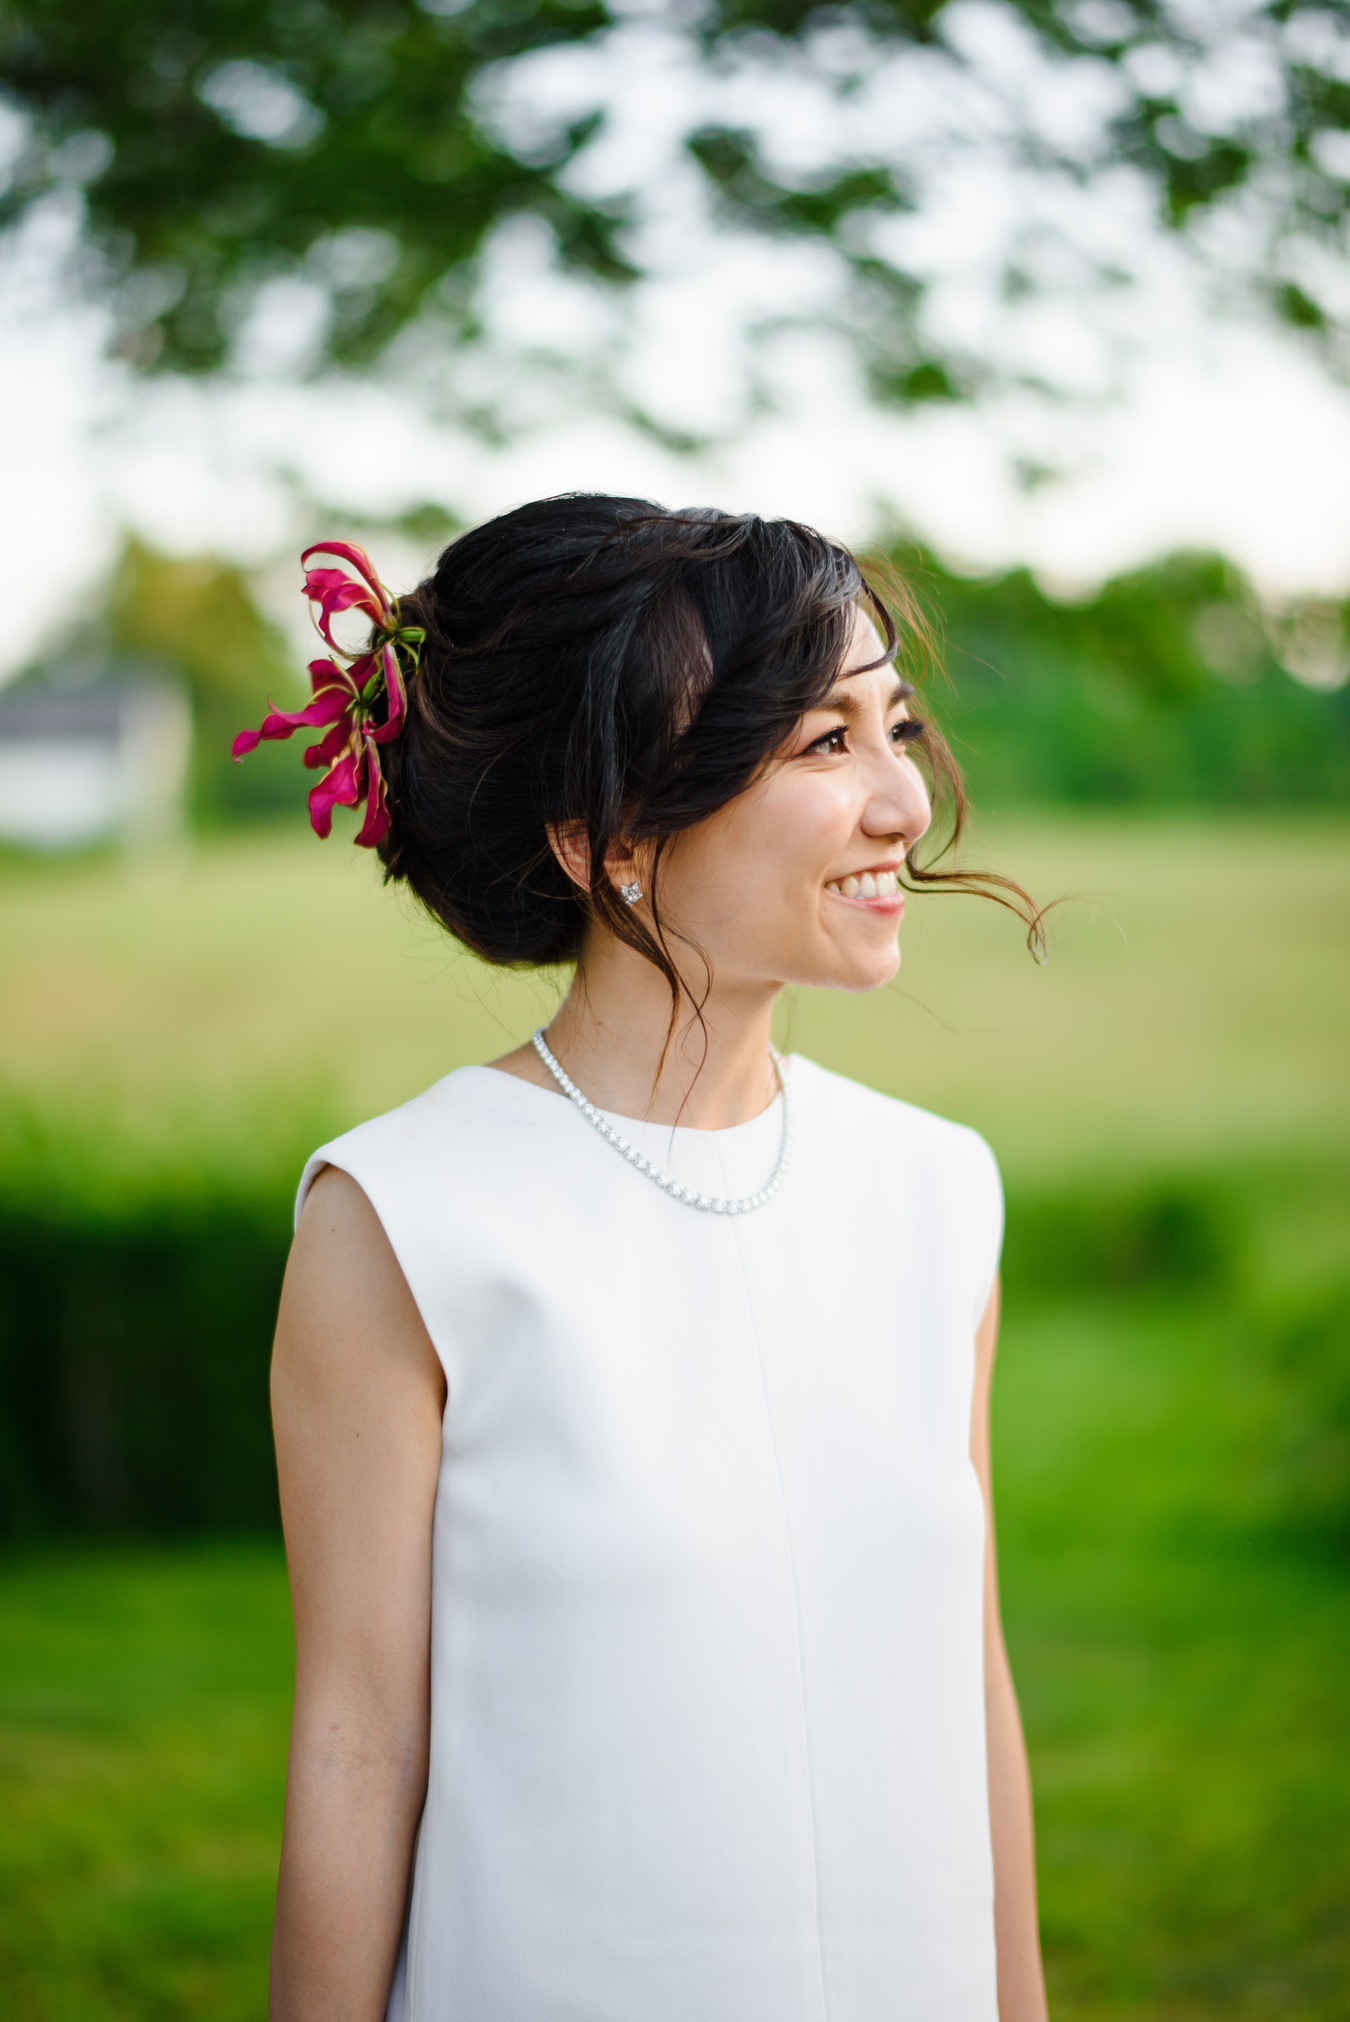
x=796 y=1609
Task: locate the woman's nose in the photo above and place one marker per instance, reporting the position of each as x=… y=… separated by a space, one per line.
x=898 y=804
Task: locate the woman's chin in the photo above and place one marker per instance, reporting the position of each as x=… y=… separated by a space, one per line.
x=857 y=973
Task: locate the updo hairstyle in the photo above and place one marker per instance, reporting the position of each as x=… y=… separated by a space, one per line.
x=604 y=666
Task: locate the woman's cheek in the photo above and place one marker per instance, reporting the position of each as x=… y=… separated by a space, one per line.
x=822 y=818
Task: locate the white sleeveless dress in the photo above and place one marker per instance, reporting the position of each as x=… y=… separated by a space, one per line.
x=707 y=1728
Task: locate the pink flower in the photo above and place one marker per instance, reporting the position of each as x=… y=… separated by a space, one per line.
x=363 y=702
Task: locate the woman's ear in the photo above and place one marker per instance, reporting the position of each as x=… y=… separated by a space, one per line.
x=571 y=846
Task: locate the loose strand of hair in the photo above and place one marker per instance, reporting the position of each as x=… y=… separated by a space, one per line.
x=996 y=885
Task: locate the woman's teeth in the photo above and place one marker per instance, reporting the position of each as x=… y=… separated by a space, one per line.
x=871 y=885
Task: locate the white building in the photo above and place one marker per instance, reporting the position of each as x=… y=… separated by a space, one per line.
x=82 y=765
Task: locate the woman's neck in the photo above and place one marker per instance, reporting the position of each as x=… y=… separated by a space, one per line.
x=610 y=1032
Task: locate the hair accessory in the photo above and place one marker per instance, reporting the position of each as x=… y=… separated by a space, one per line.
x=363 y=702
x=630 y=894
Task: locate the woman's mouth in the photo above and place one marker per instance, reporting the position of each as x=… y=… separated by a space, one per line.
x=878 y=891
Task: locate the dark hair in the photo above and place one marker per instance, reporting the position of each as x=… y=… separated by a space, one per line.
x=605 y=665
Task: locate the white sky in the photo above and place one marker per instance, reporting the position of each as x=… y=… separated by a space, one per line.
x=1219 y=433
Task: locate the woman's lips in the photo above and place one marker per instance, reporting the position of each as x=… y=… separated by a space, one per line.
x=873 y=891
x=888 y=906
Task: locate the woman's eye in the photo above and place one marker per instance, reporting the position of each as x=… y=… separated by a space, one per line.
x=836 y=740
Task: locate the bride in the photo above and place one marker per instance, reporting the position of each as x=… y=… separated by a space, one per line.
x=631 y=1392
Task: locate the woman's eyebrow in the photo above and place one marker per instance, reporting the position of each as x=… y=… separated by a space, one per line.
x=843 y=700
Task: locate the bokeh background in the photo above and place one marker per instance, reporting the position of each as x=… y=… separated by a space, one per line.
x=1046 y=303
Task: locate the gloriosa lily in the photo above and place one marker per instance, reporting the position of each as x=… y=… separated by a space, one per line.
x=363 y=702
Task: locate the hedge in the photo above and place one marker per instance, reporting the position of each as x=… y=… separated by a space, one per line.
x=134 y=1350
x=133 y=1368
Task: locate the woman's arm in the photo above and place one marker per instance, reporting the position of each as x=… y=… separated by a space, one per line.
x=1021 y=1983
x=357 y=1400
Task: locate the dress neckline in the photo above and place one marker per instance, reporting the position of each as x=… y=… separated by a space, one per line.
x=724 y=1134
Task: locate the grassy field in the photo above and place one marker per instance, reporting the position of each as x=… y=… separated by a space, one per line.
x=223 y=1008
x=1180 y=1664
x=144 y=1703
x=1178 y=1596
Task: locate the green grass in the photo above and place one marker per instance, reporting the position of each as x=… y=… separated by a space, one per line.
x=1181 y=1658
x=143 y=1717
x=1178 y=1596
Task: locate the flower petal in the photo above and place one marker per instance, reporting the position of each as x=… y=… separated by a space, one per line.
x=342 y=734
x=326 y=676
x=338 y=788
x=396 y=696
x=357 y=558
x=334 y=592
x=337 y=591
x=375 y=827
x=283 y=723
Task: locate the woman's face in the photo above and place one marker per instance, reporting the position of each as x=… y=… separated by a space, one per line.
x=795 y=881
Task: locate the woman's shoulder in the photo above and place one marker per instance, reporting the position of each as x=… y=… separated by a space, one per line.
x=851 y=1110
x=454 y=1118
x=940 y=1177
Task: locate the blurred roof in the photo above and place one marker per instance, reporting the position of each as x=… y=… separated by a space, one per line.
x=100 y=711
x=101 y=752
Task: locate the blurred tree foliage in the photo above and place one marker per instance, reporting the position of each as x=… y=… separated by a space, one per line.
x=1170 y=686
x=220 y=145
x=198 y=618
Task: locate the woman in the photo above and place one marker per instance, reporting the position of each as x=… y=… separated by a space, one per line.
x=631 y=1393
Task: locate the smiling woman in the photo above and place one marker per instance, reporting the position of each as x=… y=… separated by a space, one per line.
x=648 y=1649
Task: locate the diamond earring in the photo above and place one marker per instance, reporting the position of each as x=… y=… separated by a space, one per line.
x=630 y=894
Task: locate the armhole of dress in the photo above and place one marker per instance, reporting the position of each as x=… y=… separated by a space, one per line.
x=989 y=1276
x=320 y=1162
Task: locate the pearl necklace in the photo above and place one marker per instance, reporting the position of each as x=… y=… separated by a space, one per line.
x=712 y=1204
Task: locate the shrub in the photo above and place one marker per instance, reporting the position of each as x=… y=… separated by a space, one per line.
x=1180 y=1234
x=133 y=1367
x=1311 y=1355
x=134 y=1344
